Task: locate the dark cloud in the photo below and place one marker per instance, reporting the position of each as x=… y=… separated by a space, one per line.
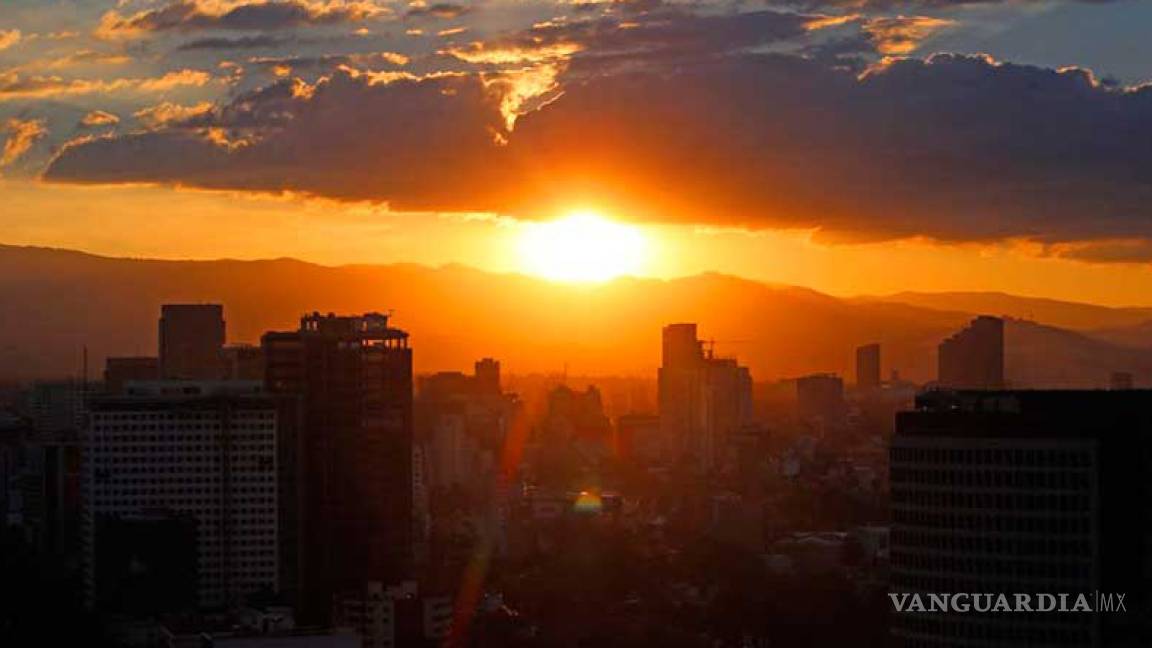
x=418 y=142
x=262 y=41
x=441 y=10
x=665 y=38
x=187 y=15
x=680 y=119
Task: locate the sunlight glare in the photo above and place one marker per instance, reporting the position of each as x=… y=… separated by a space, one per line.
x=582 y=246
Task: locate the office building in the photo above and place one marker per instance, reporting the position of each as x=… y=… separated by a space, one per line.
x=120 y=371
x=242 y=362
x=352 y=378
x=1022 y=492
x=973 y=358
x=702 y=398
x=868 y=367
x=207 y=450
x=820 y=399
x=191 y=339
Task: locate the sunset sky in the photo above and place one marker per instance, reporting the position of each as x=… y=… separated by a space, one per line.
x=853 y=146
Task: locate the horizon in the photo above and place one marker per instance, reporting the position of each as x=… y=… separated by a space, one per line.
x=579 y=284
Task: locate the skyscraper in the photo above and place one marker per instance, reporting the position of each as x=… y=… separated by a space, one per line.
x=820 y=399
x=201 y=449
x=191 y=339
x=868 y=367
x=1022 y=492
x=973 y=358
x=353 y=463
x=703 y=399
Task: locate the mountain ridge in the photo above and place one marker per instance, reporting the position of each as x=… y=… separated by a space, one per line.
x=67 y=300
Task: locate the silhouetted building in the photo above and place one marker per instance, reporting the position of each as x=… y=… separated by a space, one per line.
x=191 y=338
x=353 y=463
x=702 y=398
x=868 y=367
x=204 y=449
x=147 y=562
x=820 y=399
x=973 y=358
x=118 y=371
x=57 y=406
x=487 y=372
x=1023 y=492
x=638 y=438
x=394 y=617
x=242 y=362
x=1121 y=380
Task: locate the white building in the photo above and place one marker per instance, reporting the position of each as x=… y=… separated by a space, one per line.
x=204 y=449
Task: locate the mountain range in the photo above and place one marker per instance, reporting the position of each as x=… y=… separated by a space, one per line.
x=58 y=302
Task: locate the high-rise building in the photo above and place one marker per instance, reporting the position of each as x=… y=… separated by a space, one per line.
x=820 y=399
x=1006 y=492
x=702 y=399
x=868 y=367
x=973 y=358
x=242 y=362
x=191 y=339
x=119 y=371
x=352 y=377
x=202 y=449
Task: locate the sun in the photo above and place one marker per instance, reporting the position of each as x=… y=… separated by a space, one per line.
x=582 y=247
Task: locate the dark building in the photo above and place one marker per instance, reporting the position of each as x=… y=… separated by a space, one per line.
x=702 y=399
x=146 y=563
x=973 y=358
x=191 y=338
x=118 y=371
x=1023 y=492
x=242 y=362
x=353 y=456
x=820 y=399
x=868 y=367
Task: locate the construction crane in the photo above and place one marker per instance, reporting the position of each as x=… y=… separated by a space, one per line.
x=711 y=343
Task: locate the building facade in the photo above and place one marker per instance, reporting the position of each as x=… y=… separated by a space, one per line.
x=973 y=358
x=702 y=399
x=191 y=340
x=1022 y=492
x=352 y=468
x=205 y=450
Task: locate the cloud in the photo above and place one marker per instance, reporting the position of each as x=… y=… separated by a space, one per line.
x=711 y=120
x=285 y=65
x=13 y=85
x=20 y=134
x=667 y=37
x=257 y=15
x=9 y=37
x=168 y=113
x=441 y=10
x=903 y=34
x=262 y=41
x=419 y=140
x=84 y=57
x=98 y=118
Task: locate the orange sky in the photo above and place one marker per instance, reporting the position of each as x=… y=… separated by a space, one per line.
x=167 y=223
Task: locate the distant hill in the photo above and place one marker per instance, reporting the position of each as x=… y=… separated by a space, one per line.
x=59 y=301
x=1072 y=315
